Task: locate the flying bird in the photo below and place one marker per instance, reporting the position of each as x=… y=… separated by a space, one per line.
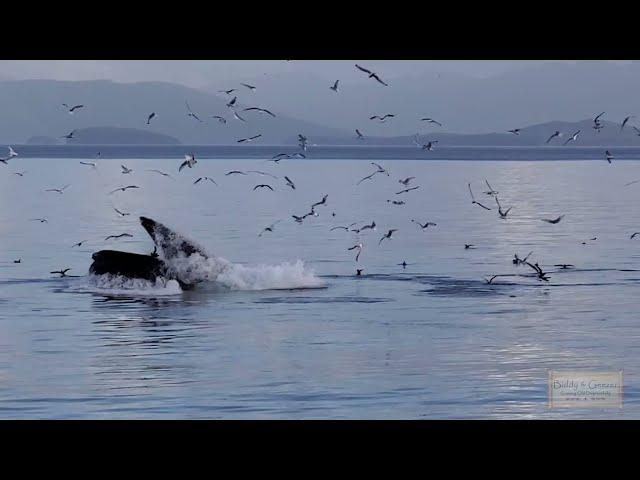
x=89 y=164
x=406 y=181
x=503 y=213
x=238 y=117
x=122 y=214
x=72 y=109
x=190 y=112
x=12 y=154
x=250 y=87
x=335 y=86
x=321 y=202
x=57 y=190
x=515 y=131
x=426 y=225
x=360 y=135
x=608 y=156
x=205 y=178
x=474 y=202
x=263 y=186
x=357 y=247
x=383 y=117
x=624 y=122
x=250 y=139
x=62 y=273
x=118 y=236
x=491 y=191
x=371 y=75
x=407 y=190
x=261 y=110
x=189 y=161
x=125 y=170
x=160 y=172
x=555 y=134
x=634 y=235
x=219 y=118
x=290 y=183
x=431 y=120
x=122 y=189
x=387 y=235
x=572 y=138
x=269 y=228
x=228 y=92
x=553 y=221
x=232 y=102
x=150 y=117
x=69 y=135
x=79 y=244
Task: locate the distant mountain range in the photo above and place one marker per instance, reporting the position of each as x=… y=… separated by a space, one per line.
x=116 y=113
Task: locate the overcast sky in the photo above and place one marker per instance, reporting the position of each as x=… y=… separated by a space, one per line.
x=199 y=73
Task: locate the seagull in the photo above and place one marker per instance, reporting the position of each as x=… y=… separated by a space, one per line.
x=89 y=164
x=263 y=173
x=261 y=110
x=160 y=172
x=490 y=280
x=263 y=186
x=219 y=118
x=298 y=219
x=491 y=191
x=118 y=236
x=371 y=75
x=388 y=235
x=346 y=229
x=426 y=225
x=517 y=260
x=122 y=189
x=205 y=178
x=366 y=178
x=564 y=266
x=228 y=92
x=125 y=170
x=280 y=156
x=79 y=244
x=238 y=117
x=634 y=235
x=473 y=200
x=395 y=202
x=359 y=272
x=18 y=261
x=360 y=135
x=72 y=109
x=321 y=202
x=269 y=228
x=372 y=226
x=380 y=169
x=250 y=87
x=63 y=273
x=41 y=220
x=515 y=131
x=57 y=190
x=250 y=139
x=190 y=112
x=573 y=137
x=406 y=181
x=357 y=247
x=150 y=117
x=122 y=214
x=468 y=246
x=382 y=118
x=431 y=120
x=189 y=161
x=290 y=183
x=503 y=214
x=427 y=146
x=608 y=156
x=541 y=274
x=556 y=134
x=631 y=183
x=407 y=190
x=20 y=174
x=69 y=135
x=302 y=142
x=637 y=130
x=12 y=154
x=624 y=122
x=232 y=102
x=335 y=86
x=234 y=172
x=554 y=221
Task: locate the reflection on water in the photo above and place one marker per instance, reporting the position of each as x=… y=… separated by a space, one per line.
x=432 y=340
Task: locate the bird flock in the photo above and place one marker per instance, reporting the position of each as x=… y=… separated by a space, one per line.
x=190 y=162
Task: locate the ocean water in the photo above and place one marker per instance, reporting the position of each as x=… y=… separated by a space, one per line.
x=290 y=331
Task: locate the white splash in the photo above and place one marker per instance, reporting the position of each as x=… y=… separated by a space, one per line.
x=285 y=276
x=119 y=285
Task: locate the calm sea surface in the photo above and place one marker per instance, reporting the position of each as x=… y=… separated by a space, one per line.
x=429 y=341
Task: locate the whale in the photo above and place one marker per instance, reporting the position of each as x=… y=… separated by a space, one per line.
x=169 y=246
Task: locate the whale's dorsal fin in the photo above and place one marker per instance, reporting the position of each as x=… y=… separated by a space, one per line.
x=170 y=243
